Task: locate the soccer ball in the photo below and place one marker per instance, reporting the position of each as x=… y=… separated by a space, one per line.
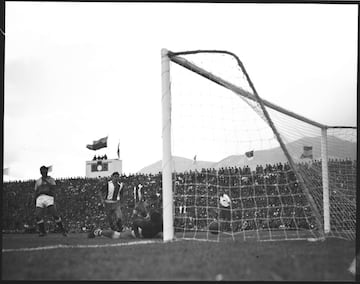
x=214 y=227
x=225 y=200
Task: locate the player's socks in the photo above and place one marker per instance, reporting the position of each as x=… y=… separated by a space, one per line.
x=97 y=232
x=92 y=235
x=61 y=226
x=119 y=226
x=41 y=225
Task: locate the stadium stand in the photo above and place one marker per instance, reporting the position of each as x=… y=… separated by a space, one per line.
x=81 y=208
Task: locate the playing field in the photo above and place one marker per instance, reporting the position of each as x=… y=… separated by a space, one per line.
x=54 y=257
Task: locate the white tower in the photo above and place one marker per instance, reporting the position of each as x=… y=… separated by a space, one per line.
x=103 y=168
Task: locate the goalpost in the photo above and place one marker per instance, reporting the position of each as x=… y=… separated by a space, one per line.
x=221 y=116
x=168 y=228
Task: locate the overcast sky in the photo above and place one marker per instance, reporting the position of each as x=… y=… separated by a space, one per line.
x=76 y=72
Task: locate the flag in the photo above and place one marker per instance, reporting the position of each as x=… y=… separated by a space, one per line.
x=194 y=162
x=249 y=155
x=307 y=152
x=6 y=171
x=50 y=168
x=118 y=151
x=98 y=144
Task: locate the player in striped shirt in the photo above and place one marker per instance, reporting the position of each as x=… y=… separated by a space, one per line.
x=112 y=197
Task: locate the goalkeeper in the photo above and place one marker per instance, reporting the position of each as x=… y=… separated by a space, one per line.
x=147 y=219
x=225 y=212
x=147 y=222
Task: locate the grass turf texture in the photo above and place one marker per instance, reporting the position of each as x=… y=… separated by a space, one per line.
x=178 y=260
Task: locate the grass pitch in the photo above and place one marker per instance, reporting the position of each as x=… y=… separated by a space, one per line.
x=54 y=257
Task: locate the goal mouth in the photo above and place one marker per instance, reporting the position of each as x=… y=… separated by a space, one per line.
x=225 y=139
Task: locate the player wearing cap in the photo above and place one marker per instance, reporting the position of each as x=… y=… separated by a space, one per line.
x=44 y=199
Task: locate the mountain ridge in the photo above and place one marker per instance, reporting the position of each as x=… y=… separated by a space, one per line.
x=337 y=148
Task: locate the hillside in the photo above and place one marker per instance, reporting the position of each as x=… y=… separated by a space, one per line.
x=337 y=148
x=181 y=164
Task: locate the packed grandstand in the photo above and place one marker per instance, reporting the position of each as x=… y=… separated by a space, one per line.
x=259 y=197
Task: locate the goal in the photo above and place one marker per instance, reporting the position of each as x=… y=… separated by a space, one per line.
x=286 y=176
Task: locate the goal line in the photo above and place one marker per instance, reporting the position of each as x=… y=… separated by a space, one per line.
x=143 y=242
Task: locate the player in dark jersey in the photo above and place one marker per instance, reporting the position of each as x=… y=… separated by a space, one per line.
x=225 y=212
x=44 y=199
x=147 y=220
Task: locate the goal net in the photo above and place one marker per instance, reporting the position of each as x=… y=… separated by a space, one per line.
x=244 y=168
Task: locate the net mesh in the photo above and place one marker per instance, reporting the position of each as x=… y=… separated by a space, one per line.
x=222 y=144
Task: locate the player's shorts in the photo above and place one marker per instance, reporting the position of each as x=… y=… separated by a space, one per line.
x=112 y=205
x=44 y=201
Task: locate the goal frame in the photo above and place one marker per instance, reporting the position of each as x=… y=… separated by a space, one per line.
x=168 y=209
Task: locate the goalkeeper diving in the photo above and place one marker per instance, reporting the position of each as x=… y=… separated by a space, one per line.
x=147 y=222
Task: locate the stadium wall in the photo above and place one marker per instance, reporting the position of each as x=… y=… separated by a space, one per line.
x=103 y=168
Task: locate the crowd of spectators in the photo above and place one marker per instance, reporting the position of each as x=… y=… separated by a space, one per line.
x=269 y=196
x=104 y=157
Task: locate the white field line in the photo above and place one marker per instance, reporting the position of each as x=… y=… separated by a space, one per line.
x=102 y=245
x=80 y=246
x=139 y=243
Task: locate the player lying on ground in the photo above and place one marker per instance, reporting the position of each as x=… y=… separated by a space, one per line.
x=147 y=222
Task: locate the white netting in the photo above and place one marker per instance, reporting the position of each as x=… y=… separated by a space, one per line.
x=341 y=154
x=214 y=132
x=212 y=129
x=342 y=181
